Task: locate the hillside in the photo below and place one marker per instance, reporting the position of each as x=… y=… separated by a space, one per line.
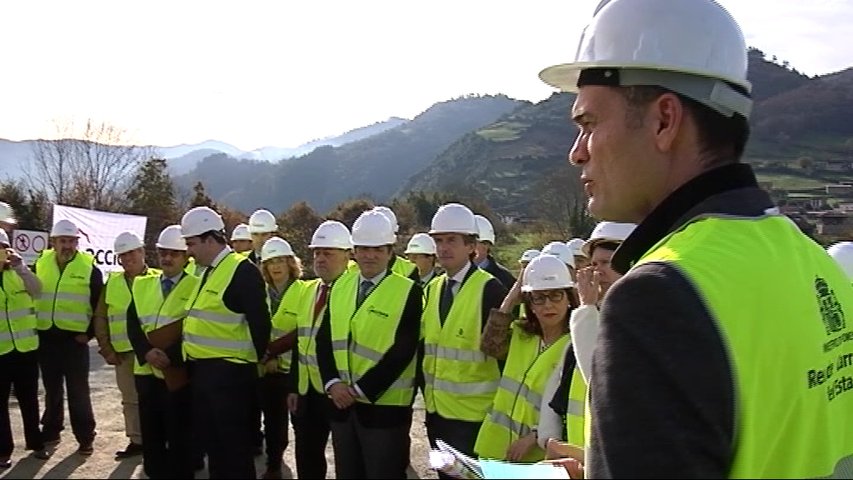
x=377 y=165
x=508 y=161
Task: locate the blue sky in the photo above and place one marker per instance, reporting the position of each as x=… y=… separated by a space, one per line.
x=281 y=73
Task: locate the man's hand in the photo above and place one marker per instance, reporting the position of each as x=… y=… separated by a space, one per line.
x=341 y=395
x=157 y=358
x=292 y=402
x=82 y=339
x=271 y=365
x=110 y=355
x=13 y=258
x=519 y=448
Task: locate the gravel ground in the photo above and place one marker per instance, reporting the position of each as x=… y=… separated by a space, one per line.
x=65 y=463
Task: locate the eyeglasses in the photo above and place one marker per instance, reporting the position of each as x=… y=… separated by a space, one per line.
x=555 y=296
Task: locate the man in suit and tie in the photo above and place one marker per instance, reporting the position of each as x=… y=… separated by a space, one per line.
x=460 y=381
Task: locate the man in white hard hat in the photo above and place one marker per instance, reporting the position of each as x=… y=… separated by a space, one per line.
x=241 y=239
x=154 y=325
x=111 y=331
x=421 y=251
x=72 y=285
x=366 y=350
x=262 y=227
x=7 y=218
x=717 y=283
x=460 y=381
x=225 y=334
x=484 y=258
x=18 y=358
x=330 y=246
x=397 y=263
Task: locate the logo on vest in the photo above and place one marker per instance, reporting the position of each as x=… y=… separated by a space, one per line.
x=830 y=308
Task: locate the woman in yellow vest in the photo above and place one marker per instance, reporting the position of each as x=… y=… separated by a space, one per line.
x=281 y=270
x=532 y=348
x=18 y=344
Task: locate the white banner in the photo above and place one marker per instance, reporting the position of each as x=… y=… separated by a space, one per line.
x=28 y=244
x=98 y=231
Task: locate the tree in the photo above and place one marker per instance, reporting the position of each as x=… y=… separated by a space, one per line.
x=152 y=194
x=31 y=207
x=348 y=211
x=89 y=168
x=297 y=225
x=200 y=198
x=563 y=201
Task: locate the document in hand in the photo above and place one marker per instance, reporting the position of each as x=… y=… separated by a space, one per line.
x=454 y=463
x=499 y=469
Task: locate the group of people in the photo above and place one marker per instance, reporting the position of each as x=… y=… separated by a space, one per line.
x=697 y=333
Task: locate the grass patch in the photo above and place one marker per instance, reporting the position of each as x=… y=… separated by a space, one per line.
x=502 y=131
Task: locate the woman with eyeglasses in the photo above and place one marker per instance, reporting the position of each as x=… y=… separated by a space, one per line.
x=531 y=349
x=561 y=424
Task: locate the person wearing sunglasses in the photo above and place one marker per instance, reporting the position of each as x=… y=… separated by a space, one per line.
x=532 y=348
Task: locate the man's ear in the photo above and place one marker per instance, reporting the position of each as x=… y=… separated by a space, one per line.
x=667 y=115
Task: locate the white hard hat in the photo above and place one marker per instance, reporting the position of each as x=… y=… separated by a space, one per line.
x=241 y=232
x=6 y=213
x=485 y=230
x=331 y=234
x=372 y=229
x=842 y=252
x=171 y=239
x=200 y=220
x=529 y=255
x=262 y=221
x=390 y=215
x=421 y=243
x=125 y=242
x=608 y=232
x=275 y=247
x=692 y=47
x=454 y=218
x=4 y=238
x=561 y=251
x=546 y=272
x=576 y=246
x=64 y=228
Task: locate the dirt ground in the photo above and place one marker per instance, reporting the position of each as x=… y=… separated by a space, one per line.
x=65 y=463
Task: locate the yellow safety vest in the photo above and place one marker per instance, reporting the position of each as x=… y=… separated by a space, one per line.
x=403 y=266
x=515 y=411
x=361 y=336
x=18 y=324
x=64 y=300
x=284 y=319
x=117 y=298
x=460 y=380
x=155 y=312
x=211 y=330
x=306 y=335
x=575 y=423
x=781 y=305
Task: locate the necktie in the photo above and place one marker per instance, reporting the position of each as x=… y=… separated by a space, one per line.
x=446 y=299
x=321 y=300
x=366 y=285
x=167 y=286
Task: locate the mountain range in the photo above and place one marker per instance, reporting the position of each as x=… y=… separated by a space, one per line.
x=499 y=149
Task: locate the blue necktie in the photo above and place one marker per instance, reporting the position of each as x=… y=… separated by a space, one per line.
x=167 y=284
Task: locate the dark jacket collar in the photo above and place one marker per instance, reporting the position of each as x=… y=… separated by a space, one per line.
x=731 y=189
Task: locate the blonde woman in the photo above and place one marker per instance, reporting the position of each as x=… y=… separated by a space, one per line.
x=281 y=270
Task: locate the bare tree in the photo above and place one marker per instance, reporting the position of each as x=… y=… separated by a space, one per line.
x=90 y=168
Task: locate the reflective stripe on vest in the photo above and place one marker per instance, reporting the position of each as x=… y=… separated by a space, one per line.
x=781 y=306
x=156 y=312
x=515 y=411
x=211 y=330
x=284 y=319
x=306 y=332
x=460 y=381
x=575 y=410
x=360 y=337
x=64 y=300
x=117 y=296
x=17 y=315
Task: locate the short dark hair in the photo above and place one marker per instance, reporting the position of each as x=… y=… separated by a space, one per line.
x=722 y=139
x=218 y=236
x=607 y=245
